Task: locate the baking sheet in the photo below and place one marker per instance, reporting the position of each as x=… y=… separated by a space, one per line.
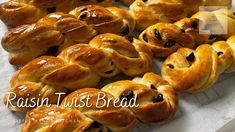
x=208 y=111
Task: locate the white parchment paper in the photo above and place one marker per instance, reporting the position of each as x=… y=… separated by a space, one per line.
x=203 y=112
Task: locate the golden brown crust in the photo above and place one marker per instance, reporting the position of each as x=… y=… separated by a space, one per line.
x=126 y=2
x=231 y=43
x=156 y=98
x=191 y=26
x=26 y=83
x=115 y=118
x=19 y=12
x=196 y=70
x=14 y=13
x=146 y=89
x=106 y=20
x=152 y=11
x=68 y=5
x=149 y=12
x=80 y=66
x=57 y=31
x=132 y=59
x=202 y=28
x=165 y=38
x=54 y=118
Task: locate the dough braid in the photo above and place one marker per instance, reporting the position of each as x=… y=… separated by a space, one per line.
x=19 y=12
x=196 y=70
x=156 y=99
x=166 y=38
x=79 y=66
x=56 y=31
x=149 y=12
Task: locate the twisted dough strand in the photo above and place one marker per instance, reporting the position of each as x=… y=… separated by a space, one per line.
x=196 y=70
x=206 y=2
x=80 y=66
x=149 y=12
x=58 y=30
x=19 y=12
x=156 y=98
x=166 y=38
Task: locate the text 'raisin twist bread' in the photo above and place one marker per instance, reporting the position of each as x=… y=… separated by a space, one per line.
x=80 y=66
x=19 y=12
x=196 y=70
x=149 y=12
x=156 y=99
x=58 y=30
x=166 y=38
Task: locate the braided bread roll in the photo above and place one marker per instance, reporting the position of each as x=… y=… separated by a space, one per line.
x=149 y=12
x=207 y=2
x=58 y=30
x=196 y=70
x=156 y=98
x=80 y=66
x=166 y=38
x=19 y=12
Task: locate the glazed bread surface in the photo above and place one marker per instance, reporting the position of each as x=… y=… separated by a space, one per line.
x=156 y=99
x=196 y=70
x=149 y=12
x=80 y=66
x=202 y=28
x=56 y=31
x=19 y=12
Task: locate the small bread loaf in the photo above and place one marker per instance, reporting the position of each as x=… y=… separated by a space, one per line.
x=202 y=28
x=149 y=12
x=196 y=70
x=156 y=99
x=19 y=12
